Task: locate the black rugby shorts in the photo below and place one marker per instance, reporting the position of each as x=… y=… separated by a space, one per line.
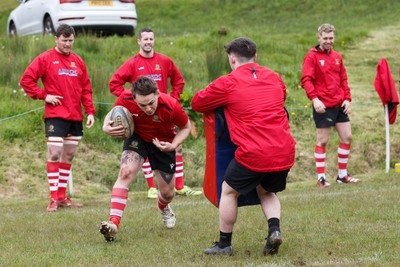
x=159 y=160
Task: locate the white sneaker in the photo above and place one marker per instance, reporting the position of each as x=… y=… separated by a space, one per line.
x=168 y=217
x=109 y=230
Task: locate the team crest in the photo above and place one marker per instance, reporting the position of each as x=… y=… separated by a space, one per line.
x=337 y=61
x=156 y=118
x=134 y=144
x=157 y=67
x=73 y=65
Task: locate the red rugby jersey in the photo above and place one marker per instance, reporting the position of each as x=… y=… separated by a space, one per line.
x=161 y=124
x=63 y=75
x=159 y=68
x=253 y=99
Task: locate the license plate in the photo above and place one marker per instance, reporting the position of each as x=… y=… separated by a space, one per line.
x=100 y=3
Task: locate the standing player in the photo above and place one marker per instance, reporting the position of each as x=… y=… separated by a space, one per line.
x=66 y=88
x=253 y=99
x=158 y=67
x=324 y=79
x=154 y=115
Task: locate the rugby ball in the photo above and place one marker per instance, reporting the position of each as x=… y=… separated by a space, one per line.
x=121 y=116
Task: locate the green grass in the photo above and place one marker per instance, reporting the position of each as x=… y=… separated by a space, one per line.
x=340 y=226
x=345 y=225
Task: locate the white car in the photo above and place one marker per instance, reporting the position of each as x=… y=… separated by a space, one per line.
x=44 y=16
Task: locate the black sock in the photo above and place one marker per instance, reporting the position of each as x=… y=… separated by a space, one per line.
x=273 y=225
x=225 y=239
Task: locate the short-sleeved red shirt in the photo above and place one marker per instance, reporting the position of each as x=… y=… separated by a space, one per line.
x=159 y=125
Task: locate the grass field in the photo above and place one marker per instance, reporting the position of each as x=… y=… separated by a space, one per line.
x=345 y=225
x=340 y=226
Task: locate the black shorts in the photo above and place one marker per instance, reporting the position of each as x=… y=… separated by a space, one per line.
x=62 y=128
x=159 y=160
x=330 y=117
x=244 y=180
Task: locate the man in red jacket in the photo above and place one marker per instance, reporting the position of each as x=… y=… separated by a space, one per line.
x=158 y=67
x=154 y=115
x=253 y=99
x=66 y=88
x=324 y=79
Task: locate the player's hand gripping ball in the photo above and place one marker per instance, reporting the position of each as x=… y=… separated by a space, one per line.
x=121 y=116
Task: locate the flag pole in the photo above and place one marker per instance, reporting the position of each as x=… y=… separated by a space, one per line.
x=387 y=138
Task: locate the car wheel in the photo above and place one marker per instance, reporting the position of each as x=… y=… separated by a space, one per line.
x=48 y=28
x=12 y=32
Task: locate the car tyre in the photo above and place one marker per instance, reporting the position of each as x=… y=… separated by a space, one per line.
x=48 y=27
x=12 y=32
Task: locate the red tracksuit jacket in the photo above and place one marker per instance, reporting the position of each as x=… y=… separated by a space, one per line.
x=253 y=99
x=324 y=76
x=63 y=75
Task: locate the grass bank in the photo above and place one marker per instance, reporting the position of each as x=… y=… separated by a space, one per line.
x=188 y=32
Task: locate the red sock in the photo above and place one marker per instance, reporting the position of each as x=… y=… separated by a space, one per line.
x=148 y=174
x=119 y=198
x=162 y=203
x=52 y=177
x=179 y=183
x=65 y=171
x=343 y=158
x=320 y=156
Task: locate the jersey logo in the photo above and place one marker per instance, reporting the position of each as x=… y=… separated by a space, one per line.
x=171 y=165
x=157 y=67
x=73 y=65
x=71 y=73
x=141 y=68
x=156 y=118
x=337 y=61
x=322 y=62
x=56 y=62
x=156 y=77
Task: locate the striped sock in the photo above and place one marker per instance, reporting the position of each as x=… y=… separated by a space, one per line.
x=179 y=183
x=65 y=170
x=343 y=158
x=320 y=156
x=119 y=198
x=52 y=177
x=148 y=174
x=162 y=203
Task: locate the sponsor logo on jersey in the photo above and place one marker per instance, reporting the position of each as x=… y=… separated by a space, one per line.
x=56 y=62
x=141 y=68
x=322 y=62
x=68 y=72
x=156 y=77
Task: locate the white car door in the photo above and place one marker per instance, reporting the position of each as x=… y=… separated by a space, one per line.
x=30 y=17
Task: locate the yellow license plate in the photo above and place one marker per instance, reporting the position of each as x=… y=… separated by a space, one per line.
x=100 y=3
